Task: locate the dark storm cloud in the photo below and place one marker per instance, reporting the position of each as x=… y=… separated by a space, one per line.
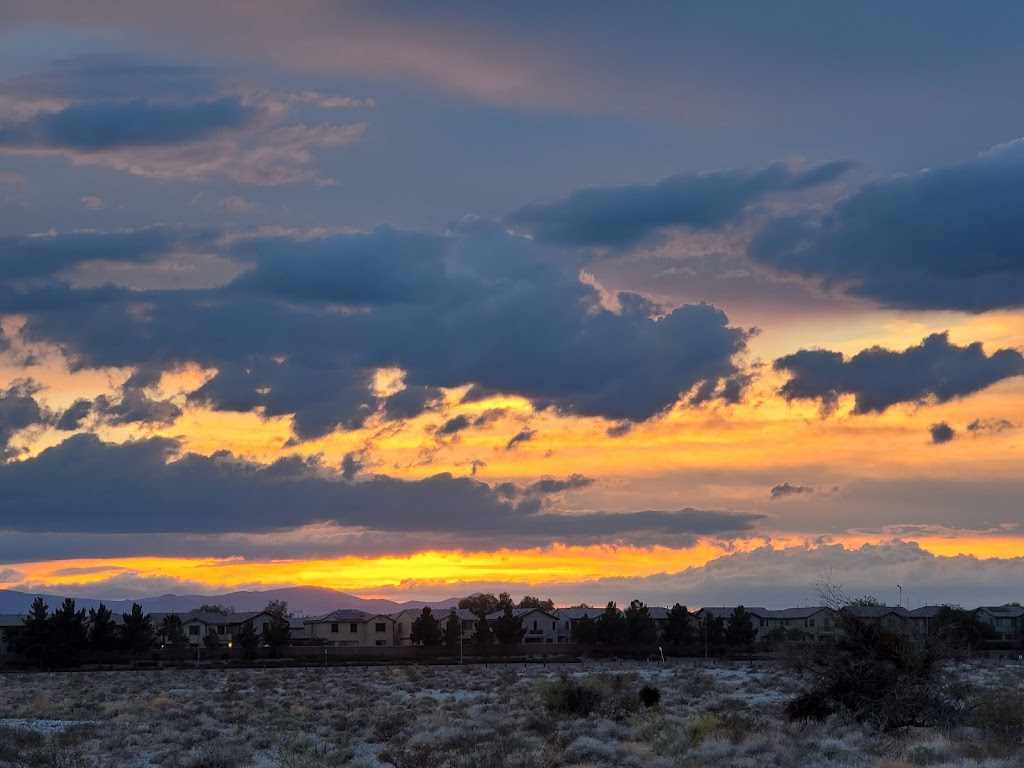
x=137 y=488
x=523 y=436
x=619 y=217
x=786 y=489
x=935 y=370
x=411 y=402
x=478 y=306
x=941 y=433
x=18 y=410
x=101 y=125
x=73 y=417
x=551 y=485
x=948 y=238
x=351 y=465
x=135 y=407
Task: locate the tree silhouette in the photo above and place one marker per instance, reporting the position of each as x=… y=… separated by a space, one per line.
x=137 y=630
x=35 y=638
x=452 y=631
x=247 y=638
x=68 y=630
x=508 y=628
x=640 y=627
x=611 y=627
x=277 y=635
x=678 y=630
x=529 y=601
x=102 y=629
x=482 y=634
x=584 y=631
x=740 y=630
x=173 y=633
x=425 y=629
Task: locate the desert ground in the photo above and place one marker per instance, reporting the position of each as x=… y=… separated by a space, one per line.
x=512 y=716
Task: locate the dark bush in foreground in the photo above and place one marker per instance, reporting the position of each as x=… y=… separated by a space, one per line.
x=649 y=696
x=609 y=695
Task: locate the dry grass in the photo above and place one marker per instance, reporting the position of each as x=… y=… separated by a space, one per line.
x=473 y=717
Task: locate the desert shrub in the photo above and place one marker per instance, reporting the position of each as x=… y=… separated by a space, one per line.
x=879 y=676
x=649 y=696
x=1000 y=714
x=567 y=696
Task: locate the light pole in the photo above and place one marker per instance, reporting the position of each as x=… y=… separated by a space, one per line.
x=901 y=594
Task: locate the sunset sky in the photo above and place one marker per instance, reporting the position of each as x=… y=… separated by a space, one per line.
x=687 y=303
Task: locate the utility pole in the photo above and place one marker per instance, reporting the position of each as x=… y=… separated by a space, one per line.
x=901 y=594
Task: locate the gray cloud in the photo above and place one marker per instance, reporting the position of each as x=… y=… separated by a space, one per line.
x=786 y=489
x=18 y=410
x=982 y=426
x=479 y=306
x=73 y=417
x=523 y=436
x=946 y=238
x=619 y=217
x=135 y=407
x=10 y=576
x=941 y=433
x=140 y=123
x=137 y=487
x=934 y=370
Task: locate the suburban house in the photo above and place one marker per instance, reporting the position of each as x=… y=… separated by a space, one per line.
x=197 y=625
x=922 y=619
x=759 y=616
x=812 y=623
x=352 y=628
x=1006 y=620
x=540 y=626
x=10 y=621
x=570 y=616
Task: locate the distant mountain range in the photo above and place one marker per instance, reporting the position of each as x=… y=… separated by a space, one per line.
x=308 y=601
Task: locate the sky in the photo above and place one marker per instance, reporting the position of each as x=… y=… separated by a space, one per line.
x=687 y=303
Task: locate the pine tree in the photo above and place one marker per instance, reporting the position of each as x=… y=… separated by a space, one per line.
x=611 y=627
x=482 y=634
x=137 y=630
x=173 y=632
x=247 y=638
x=68 y=630
x=425 y=629
x=277 y=635
x=35 y=640
x=453 y=631
x=640 y=627
x=678 y=630
x=740 y=630
x=584 y=631
x=508 y=628
x=102 y=629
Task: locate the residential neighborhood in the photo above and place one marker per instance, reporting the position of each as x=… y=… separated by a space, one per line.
x=531 y=626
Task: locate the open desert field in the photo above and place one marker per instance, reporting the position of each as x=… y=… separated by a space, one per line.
x=512 y=716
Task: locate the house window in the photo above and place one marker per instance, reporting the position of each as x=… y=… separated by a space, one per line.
x=353 y=627
x=379 y=642
x=221 y=629
x=266 y=627
x=552 y=625
x=811 y=622
x=534 y=626
x=380 y=627
x=193 y=629
x=334 y=628
x=399 y=625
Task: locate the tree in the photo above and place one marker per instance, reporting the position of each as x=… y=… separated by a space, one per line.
x=223 y=610
x=102 y=629
x=482 y=634
x=640 y=627
x=584 y=631
x=68 y=630
x=740 y=629
x=481 y=604
x=505 y=601
x=529 y=601
x=453 y=631
x=173 y=632
x=247 y=638
x=867 y=601
x=960 y=630
x=278 y=608
x=508 y=628
x=611 y=627
x=211 y=642
x=277 y=635
x=711 y=630
x=678 y=630
x=35 y=638
x=137 y=630
x=425 y=629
